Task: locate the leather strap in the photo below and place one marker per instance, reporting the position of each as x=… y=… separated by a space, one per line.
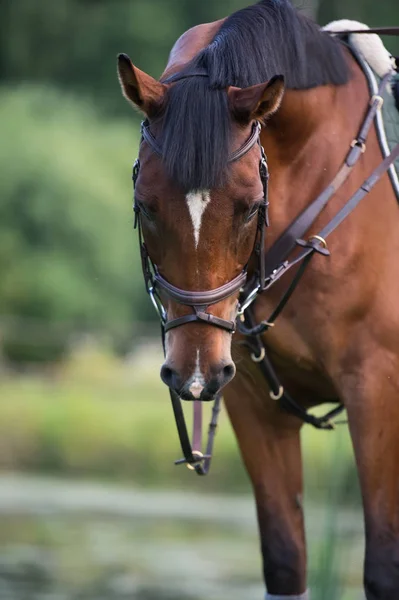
x=277 y=391
x=379 y=30
x=287 y=241
x=236 y=155
x=149 y=138
x=314 y=244
x=205 y=298
x=360 y=194
x=200 y=302
x=203 y=317
x=193 y=456
x=249 y=144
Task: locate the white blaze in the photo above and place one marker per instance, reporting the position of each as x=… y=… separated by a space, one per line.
x=197 y=380
x=197 y=202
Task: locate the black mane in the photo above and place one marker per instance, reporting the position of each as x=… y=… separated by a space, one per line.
x=254 y=44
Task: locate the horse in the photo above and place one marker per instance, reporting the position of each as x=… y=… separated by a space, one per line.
x=268 y=77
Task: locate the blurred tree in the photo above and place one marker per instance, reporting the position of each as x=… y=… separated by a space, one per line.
x=74 y=43
x=68 y=253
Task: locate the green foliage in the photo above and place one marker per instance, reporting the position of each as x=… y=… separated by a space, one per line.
x=74 y=43
x=68 y=253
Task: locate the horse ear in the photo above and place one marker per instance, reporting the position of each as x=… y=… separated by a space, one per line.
x=142 y=90
x=257 y=102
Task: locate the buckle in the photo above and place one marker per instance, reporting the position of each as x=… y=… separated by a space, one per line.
x=317 y=243
x=279 y=394
x=258 y=359
x=248 y=301
x=376 y=99
x=191 y=466
x=135 y=173
x=157 y=305
x=359 y=144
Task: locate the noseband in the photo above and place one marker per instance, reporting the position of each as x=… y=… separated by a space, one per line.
x=201 y=300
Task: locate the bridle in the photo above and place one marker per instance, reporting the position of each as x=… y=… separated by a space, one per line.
x=200 y=301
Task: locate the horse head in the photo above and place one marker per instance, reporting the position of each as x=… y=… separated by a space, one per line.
x=200 y=201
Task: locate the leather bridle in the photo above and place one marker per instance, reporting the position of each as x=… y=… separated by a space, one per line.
x=200 y=301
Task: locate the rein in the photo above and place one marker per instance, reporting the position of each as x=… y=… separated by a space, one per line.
x=271 y=267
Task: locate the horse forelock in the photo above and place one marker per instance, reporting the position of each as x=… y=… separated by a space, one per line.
x=253 y=45
x=195 y=134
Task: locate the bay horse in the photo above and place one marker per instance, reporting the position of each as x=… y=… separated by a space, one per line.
x=202 y=207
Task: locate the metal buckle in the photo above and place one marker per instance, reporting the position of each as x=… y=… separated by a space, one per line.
x=195 y=453
x=136 y=169
x=378 y=99
x=258 y=359
x=361 y=145
x=250 y=299
x=191 y=466
x=157 y=305
x=319 y=239
x=275 y=275
x=279 y=394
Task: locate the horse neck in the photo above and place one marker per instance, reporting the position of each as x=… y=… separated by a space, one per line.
x=307 y=140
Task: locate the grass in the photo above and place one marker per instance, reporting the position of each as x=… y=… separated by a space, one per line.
x=98 y=417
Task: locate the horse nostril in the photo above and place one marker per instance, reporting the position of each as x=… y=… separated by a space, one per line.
x=228 y=373
x=167 y=375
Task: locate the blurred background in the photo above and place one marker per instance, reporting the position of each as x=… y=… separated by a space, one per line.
x=91 y=506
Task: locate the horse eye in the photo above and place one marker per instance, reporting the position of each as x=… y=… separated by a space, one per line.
x=252 y=211
x=145 y=210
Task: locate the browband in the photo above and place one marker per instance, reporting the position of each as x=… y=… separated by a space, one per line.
x=236 y=155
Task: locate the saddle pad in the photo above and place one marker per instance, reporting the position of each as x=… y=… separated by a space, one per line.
x=387 y=120
x=390 y=115
x=376 y=62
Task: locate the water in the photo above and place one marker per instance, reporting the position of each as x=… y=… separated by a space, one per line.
x=64 y=540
